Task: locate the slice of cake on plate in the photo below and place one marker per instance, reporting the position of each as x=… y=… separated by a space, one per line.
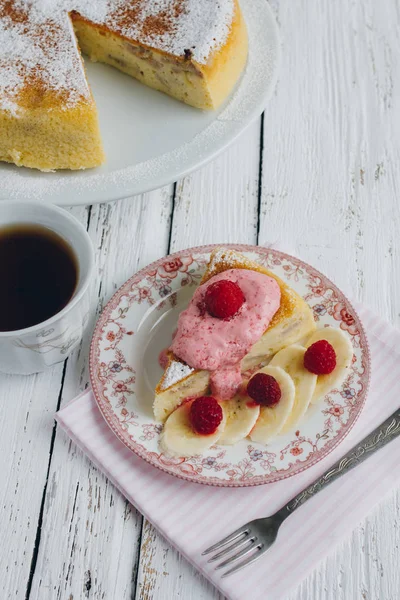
x=241 y=315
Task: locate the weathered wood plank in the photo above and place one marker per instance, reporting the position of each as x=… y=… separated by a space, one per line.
x=90 y=534
x=26 y=426
x=329 y=193
x=219 y=202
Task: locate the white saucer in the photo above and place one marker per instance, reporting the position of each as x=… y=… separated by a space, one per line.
x=150 y=139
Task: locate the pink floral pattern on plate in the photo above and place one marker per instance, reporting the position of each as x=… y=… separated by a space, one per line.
x=125 y=399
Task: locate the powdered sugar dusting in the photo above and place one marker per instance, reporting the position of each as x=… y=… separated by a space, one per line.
x=228 y=258
x=178 y=25
x=38 y=43
x=174 y=373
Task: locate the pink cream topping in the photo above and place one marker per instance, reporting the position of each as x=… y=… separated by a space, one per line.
x=226 y=381
x=209 y=343
x=163 y=359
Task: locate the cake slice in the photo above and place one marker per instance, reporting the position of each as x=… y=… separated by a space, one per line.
x=48 y=118
x=292 y=321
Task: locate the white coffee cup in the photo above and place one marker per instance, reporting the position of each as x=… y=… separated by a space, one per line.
x=35 y=348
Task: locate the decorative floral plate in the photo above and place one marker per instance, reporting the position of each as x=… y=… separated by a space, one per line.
x=138 y=323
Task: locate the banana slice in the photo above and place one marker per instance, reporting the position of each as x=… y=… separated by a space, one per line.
x=344 y=356
x=272 y=418
x=241 y=416
x=291 y=360
x=179 y=438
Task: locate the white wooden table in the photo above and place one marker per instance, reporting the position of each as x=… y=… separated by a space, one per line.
x=321 y=173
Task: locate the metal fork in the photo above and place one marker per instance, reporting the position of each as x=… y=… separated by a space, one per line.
x=253 y=539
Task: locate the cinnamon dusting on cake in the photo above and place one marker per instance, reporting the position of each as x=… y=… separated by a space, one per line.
x=164 y=22
x=15 y=14
x=36 y=93
x=126 y=13
x=157 y=25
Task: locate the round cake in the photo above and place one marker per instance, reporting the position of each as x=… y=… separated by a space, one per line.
x=193 y=51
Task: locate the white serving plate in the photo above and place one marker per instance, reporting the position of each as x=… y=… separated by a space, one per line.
x=138 y=323
x=150 y=139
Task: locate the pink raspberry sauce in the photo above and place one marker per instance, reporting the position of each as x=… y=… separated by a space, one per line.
x=226 y=381
x=205 y=342
x=163 y=358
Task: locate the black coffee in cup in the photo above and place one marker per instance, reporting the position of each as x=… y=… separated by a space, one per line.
x=38 y=275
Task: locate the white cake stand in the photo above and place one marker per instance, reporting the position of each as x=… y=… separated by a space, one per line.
x=150 y=139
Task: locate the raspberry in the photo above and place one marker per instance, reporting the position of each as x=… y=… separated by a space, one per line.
x=320 y=358
x=264 y=389
x=223 y=299
x=205 y=415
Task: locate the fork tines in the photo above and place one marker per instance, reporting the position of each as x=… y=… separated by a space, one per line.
x=244 y=545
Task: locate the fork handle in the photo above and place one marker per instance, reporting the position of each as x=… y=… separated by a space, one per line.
x=382 y=435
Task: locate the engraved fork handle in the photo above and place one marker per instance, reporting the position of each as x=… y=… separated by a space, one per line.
x=382 y=435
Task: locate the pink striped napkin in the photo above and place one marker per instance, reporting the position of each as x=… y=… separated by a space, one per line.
x=193 y=516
